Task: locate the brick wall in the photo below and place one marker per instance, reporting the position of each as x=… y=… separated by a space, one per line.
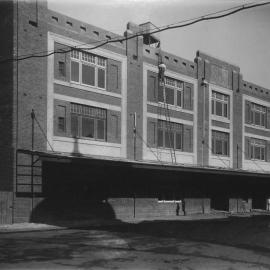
x=7 y=99
x=134 y=95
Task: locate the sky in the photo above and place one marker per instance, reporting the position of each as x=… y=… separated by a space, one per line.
x=242 y=39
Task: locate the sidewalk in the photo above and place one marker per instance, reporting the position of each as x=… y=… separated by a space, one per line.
x=28 y=227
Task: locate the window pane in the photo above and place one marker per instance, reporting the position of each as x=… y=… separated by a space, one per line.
x=169 y=139
x=62 y=68
x=160 y=94
x=88 y=75
x=61 y=124
x=257 y=118
x=263 y=120
x=74 y=71
x=262 y=153
x=160 y=138
x=88 y=129
x=213 y=106
x=257 y=152
x=179 y=98
x=101 y=78
x=225 y=150
x=75 y=54
x=218 y=147
x=178 y=141
x=213 y=146
x=225 y=107
x=169 y=96
x=74 y=125
x=219 y=96
x=101 y=129
x=252 y=151
x=219 y=108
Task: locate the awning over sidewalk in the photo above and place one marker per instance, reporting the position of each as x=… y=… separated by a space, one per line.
x=95 y=160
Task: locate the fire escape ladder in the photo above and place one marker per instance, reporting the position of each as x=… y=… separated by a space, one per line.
x=162 y=68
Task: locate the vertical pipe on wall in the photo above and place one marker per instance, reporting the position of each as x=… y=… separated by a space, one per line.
x=134 y=133
x=16 y=112
x=32 y=158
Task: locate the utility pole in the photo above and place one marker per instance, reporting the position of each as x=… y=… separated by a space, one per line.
x=237 y=149
x=32 y=157
x=134 y=133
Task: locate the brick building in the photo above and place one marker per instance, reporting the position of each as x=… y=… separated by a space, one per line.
x=101 y=132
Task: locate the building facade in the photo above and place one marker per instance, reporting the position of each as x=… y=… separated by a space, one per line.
x=90 y=130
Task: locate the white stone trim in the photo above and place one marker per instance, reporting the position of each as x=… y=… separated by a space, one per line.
x=87 y=102
x=257 y=127
x=171 y=107
x=86 y=146
x=75 y=43
x=87 y=88
x=50 y=90
x=251 y=164
x=164 y=154
x=217 y=160
x=172 y=74
x=256 y=136
x=173 y=119
x=52 y=37
x=256 y=100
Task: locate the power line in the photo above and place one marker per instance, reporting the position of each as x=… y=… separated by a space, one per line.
x=43 y=132
x=159 y=29
x=244 y=152
x=147 y=145
x=209 y=148
x=206 y=15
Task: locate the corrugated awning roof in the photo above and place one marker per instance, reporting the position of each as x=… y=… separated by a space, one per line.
x=77 y=158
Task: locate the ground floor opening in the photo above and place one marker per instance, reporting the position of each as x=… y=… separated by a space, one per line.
x=79 y=188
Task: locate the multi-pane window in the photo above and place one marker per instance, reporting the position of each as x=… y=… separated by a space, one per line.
x=257 y=149
x=220 y=143
x=220 y=104
x=61 y=119
x=88 y=122
x=88 y=69
x=173 y=92
x=258 y=115
x=170 y=135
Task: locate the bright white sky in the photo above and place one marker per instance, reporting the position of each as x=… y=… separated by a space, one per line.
x=242 y=39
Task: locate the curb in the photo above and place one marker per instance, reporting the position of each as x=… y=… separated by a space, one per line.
x=35 y=227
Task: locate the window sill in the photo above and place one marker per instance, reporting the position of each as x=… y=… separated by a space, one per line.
x=87 y=88
x=257 y=127
x=220 y=156
x=171 y=107
x=168 y=150
x=220 y=118
x=85 y=141
x=256 y=160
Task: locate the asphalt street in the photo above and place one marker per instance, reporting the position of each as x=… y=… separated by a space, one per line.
x=234 y=243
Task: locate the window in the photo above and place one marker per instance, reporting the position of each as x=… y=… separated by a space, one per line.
x=88 y=69
x=61 y=118
x=170 y=135
x=258 y=115
x=88 y=122
x=257 y=149
x=62 y=68
x=220 y=104
x=220 y=143
x=173 y=92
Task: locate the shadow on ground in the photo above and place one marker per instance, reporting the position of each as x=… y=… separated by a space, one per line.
x=243 y=232
x=99 y=246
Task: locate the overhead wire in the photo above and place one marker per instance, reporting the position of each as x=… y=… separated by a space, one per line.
x=147 y=145
x=244 y=152
x=184 y=23
x=210 y=148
